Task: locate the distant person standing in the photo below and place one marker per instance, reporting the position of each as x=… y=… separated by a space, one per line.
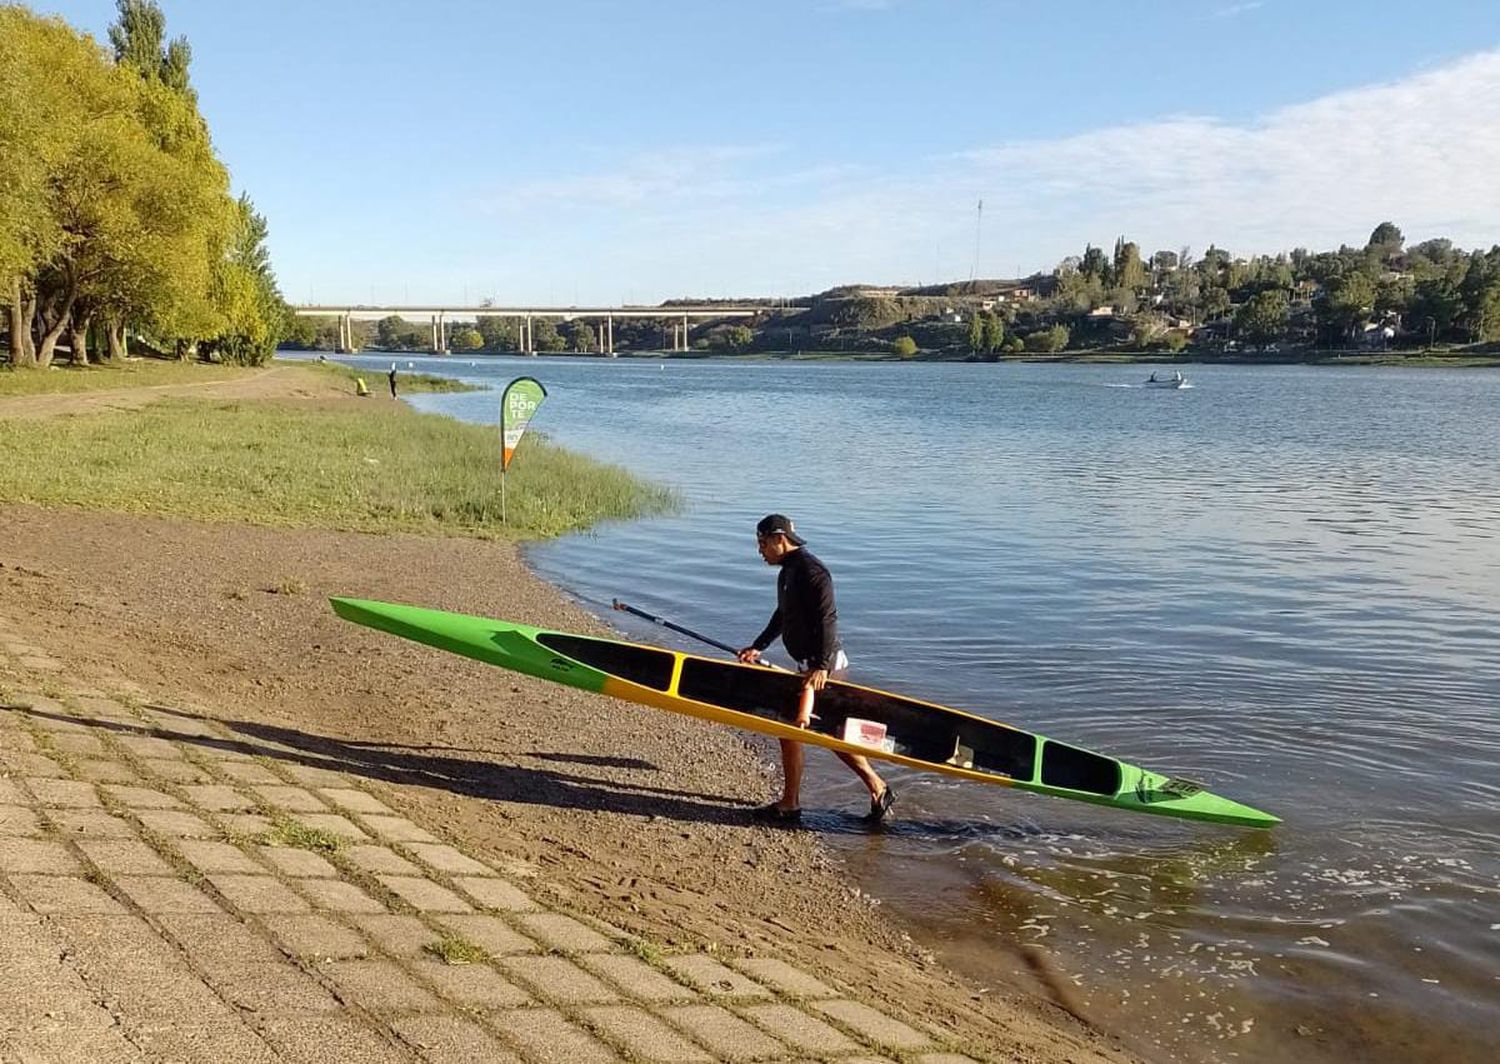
x=806 y=620
x=392 y=376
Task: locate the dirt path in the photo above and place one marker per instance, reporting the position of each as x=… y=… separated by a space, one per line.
x=628 y=815
x=275 y=382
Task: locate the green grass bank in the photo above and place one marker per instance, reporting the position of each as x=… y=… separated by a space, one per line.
x=127 y=373
x=407 y=381
x=365 y=465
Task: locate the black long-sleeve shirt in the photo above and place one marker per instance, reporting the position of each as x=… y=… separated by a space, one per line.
x=805 y=617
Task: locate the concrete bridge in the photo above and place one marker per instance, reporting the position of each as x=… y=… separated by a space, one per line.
x=680 y=318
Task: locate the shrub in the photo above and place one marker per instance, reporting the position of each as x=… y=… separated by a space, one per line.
x=904 y=346
x=1048 y=341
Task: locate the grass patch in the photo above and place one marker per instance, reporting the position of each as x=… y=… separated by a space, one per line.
x=135 y=373
x=452 y=949
x=407 y=381
x=373 y=467
x=649 y=952
x=285 y=832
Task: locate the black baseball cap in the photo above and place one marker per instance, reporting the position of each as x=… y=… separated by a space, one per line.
x=778 y=524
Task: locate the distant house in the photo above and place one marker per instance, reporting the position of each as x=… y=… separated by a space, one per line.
x=1377 y=336
x=1106 y=311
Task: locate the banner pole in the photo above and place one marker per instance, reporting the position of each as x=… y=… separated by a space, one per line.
x=502 y=497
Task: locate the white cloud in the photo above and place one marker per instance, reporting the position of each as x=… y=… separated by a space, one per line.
x=1422 y=152
x=1231 y=10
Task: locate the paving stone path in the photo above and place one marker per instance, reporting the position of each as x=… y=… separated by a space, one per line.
x=170 y=891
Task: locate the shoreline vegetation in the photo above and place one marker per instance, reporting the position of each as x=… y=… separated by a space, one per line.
x=1478 y=357
x=139 y=372
x=1431 y=302
x=334 y=462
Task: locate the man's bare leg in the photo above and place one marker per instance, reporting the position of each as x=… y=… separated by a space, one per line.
x=861 y=766
x=793 y=757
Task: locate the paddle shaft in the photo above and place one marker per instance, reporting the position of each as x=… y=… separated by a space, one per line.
x=675 y=627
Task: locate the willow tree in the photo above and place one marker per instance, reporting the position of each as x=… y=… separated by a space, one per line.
x=36 y=56
x=254 y=315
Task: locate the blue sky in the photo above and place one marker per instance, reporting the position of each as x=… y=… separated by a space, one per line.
x=584 y=151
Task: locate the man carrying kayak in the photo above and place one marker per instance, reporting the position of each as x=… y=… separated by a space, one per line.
x=807 y=622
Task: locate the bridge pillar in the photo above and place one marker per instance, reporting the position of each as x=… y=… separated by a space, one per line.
x=684 y=332
x=432 y=324
x=442 y=335
x=527 y=339
x=609 y=331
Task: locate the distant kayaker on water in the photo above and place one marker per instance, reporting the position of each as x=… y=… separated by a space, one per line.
x=807 y=622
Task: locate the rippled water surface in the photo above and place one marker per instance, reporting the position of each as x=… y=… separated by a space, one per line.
x=1284 y=581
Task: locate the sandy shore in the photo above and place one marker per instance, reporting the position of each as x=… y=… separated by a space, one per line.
x=635 y=816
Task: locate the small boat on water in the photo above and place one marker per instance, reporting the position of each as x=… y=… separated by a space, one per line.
x=1177 y=380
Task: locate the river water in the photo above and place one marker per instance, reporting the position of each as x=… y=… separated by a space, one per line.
x=1284 y=581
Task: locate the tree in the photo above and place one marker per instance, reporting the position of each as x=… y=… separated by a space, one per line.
x=904 y=347
x=976 y=334
x=1095 y=265
x=1164 y=261
x=1264 y=319
x=389 y=331
x=1480 y=291
x=466 y=340
x=255 y=315
x=138 y=34
x=545 y=337
x=581 y=336
x=994 y=333
x=1346 y=306
x=498 y=333
x=734 y=337
x=1048 y=341
x=1435 y=306
x=1385 y=242
x=1146 y=330
x=1129 y=272
x=1215 y=302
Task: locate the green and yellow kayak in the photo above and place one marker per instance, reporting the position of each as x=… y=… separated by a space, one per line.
x=851 y=718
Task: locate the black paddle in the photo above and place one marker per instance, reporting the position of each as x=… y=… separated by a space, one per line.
x=654 y=619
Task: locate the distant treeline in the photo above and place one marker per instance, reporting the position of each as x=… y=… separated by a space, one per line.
x=1431 y=292
x=1382 y=295
x=116 y=216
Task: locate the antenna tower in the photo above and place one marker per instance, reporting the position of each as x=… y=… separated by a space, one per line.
x=978 y=225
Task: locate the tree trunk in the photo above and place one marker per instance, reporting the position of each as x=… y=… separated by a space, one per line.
x=78 y=337
x=47 y=346
x=21 y=351
x=115 y=329
x=28 y=315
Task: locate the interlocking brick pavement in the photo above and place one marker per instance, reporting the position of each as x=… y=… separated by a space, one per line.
x=157 y=902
